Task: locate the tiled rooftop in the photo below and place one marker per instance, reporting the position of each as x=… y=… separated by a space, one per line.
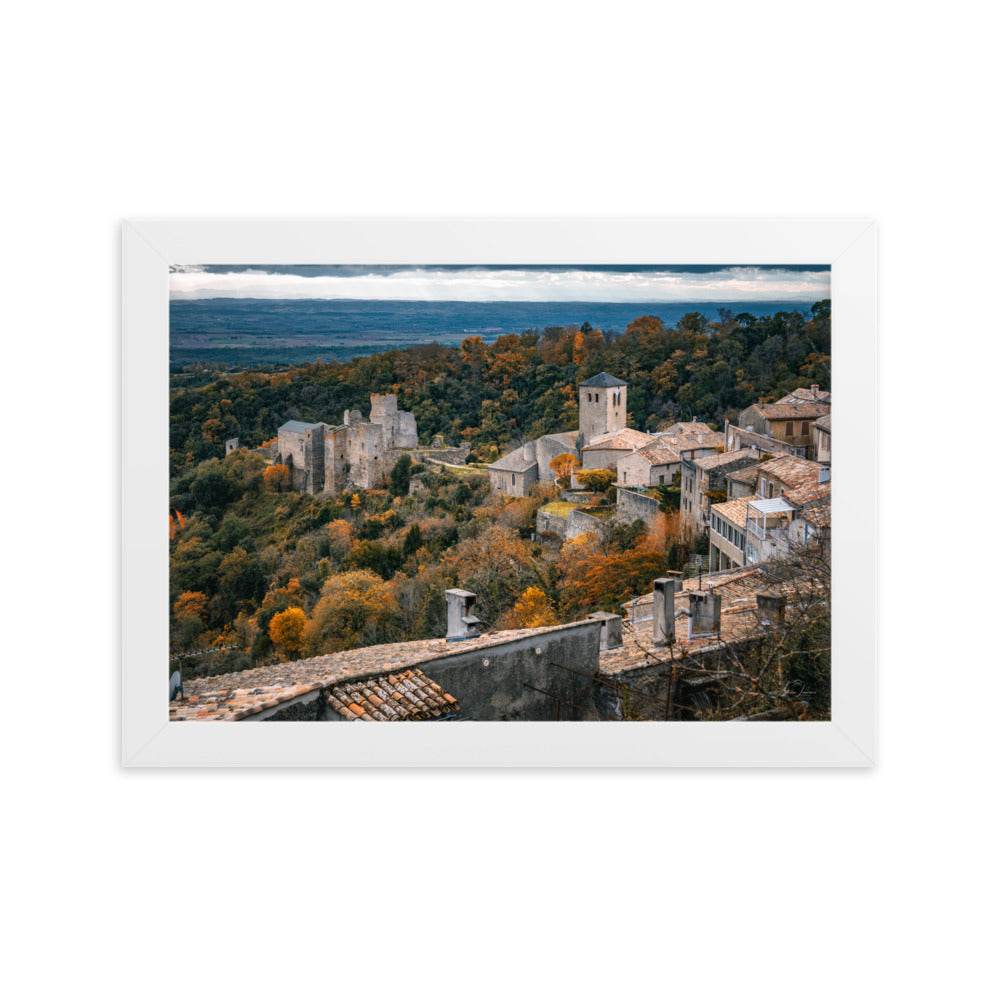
x=734 y=511
x=808 y=494
x=567 y=438
x=747 y=475
x=660 y=452
x=819 y=514
x=627 y=439
x=603 y=381
x=823 y=423
x=793 y=411
x=793 y=471
x=514 y=462
x=297 y=426
x=723 y=458
x=691 y=442
x=806 y=394
x=739 y=620
x=248 y=692
x=689 y=427
x=404 y=697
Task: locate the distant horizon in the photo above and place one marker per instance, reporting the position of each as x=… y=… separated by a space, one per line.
x=494 y=283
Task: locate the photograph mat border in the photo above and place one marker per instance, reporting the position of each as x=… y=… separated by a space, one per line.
x=150 y=247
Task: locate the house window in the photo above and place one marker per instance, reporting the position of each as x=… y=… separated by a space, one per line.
x=789 y=429
x=805 y=427
x=512 y=479
x=661 y=479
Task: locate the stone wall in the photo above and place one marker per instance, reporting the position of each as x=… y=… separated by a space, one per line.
x=492 y=684
x=546 y=521
x=634 y=506
x=579 y=523
x=603 y=458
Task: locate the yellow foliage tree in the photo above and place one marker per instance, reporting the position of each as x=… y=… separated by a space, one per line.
x=531 y=610
x=286 y=629
x=350 y=605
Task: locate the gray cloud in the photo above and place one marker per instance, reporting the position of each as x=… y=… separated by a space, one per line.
x=514 y=284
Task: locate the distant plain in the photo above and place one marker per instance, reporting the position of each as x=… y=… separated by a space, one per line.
x=242 y=333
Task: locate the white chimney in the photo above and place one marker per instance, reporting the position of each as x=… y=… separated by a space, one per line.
x=611 y=628
x=824 y=474
x=706 y=611
x=663 y=610
x=462 y=623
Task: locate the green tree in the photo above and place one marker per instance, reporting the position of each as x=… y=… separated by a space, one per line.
x=399 y=478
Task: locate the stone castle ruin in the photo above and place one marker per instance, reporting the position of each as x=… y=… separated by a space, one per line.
x=328 y=458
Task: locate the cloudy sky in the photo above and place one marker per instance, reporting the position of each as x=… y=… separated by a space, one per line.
x=506 y=283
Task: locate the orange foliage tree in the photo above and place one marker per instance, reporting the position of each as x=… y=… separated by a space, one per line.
x=564 y=466
x=276 y=477
x=604 y=581
x=286 y=629
x=191 y=602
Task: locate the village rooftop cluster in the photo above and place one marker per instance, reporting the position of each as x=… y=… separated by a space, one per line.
x=760 y=489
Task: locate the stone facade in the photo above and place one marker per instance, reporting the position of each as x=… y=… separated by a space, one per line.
x=603 y=406
x=701 y=477
x=603 y=400
x=356 y=454
x=790 y=423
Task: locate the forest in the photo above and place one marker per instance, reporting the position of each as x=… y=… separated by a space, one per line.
x=259 y=573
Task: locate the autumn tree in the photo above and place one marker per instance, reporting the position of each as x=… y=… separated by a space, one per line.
x=564 y=466
x=286 y=629
x=597 y=480
x=354 y=609
x=191 y=602
x=531 y=610
x=276 y=477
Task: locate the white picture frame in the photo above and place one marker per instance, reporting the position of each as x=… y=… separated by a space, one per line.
x=150 y=247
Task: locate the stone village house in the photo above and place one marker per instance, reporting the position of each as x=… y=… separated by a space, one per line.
x=773 y=514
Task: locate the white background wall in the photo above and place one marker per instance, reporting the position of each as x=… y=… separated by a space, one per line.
x=467 y=883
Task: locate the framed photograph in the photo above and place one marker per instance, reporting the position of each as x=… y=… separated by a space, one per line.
x=550 y=492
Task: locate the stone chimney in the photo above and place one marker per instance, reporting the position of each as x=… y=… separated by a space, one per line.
x=529 y=451
x=462 y=623
x=611 y=628
x=706 y=611
x=771 y=608
x=815 y=389
x=663 y=610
